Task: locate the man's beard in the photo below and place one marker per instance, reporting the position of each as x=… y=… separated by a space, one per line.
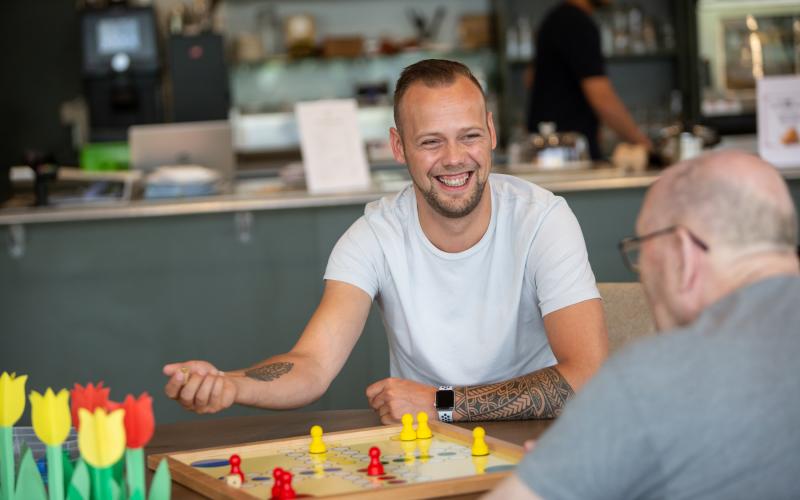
x=451 y=211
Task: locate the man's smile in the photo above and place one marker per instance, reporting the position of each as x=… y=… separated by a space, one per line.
x=454 y=181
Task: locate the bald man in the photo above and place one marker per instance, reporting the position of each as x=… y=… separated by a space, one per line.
x=711 y=409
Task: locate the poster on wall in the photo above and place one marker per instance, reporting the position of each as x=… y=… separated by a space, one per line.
x=779 y=120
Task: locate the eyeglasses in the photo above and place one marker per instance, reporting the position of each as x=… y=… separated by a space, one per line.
x=629 y=247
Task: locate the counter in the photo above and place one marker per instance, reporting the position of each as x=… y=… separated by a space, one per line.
x=560 y=181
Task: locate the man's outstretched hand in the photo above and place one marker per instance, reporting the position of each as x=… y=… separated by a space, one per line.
x=199 y=387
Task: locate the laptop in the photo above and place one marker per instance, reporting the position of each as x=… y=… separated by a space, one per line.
x=208 y=144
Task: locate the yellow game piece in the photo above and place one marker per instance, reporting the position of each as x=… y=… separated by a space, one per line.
x=233 y=480
x=317 y=446
x=423 y=431
x=424 y=449
x=318 y=460
x=480 y=464
x=408 y=433
x=479 y=446
x=409 y=447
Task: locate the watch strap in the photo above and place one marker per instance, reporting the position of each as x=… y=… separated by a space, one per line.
x=445 y=414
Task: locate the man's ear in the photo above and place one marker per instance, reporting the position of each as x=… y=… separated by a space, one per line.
x=689 y=261
x=397 y=145
x=492 y=133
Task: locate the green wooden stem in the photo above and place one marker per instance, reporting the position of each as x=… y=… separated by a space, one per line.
x=134 y=467
x=6 y=463
x=55 y=472
x=101 y=483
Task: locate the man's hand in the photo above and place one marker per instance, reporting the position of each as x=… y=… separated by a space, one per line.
x=392 y=397
x=198 y=386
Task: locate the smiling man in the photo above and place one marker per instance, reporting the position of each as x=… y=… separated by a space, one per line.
x=488 y=299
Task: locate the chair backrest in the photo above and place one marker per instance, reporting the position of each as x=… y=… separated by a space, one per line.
x=627 y=313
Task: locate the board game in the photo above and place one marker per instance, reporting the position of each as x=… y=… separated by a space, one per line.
x=422 y=468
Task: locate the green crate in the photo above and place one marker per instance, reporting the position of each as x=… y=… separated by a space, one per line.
x=105 y=156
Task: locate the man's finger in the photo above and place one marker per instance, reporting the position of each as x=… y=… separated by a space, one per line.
x=376 y=388
x=204 y=391
x=377 y=401
x=189 y=391
x=216 y=391
x=170 y=369
x=174 y=385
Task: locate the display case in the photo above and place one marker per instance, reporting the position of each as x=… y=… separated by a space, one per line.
x=739 y=43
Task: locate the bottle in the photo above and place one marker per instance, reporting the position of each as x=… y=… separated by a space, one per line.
x=525 y=39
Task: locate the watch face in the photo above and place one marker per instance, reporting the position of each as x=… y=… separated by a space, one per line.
x=445 y=399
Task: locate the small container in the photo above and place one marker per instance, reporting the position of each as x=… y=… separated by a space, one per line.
x=557 y=150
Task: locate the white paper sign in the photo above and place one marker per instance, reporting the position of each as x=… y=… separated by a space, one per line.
x=779 y=120
x=334 y=156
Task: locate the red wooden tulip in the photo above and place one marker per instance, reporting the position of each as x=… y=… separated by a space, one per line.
x=139 y=421
x=89 y=397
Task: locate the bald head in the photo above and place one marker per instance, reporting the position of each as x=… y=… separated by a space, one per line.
x=734 y=200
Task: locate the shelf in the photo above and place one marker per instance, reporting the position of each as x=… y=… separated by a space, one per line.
x=655 y=56
x=614 y=59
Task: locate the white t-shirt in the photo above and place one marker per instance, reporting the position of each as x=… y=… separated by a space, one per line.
x=471 y=317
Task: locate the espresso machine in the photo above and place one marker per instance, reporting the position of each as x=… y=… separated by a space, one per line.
x=121 y=70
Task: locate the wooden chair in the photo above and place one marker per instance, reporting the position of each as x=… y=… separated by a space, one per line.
x=627 y=313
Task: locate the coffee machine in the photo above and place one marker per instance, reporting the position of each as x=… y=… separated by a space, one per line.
x=121 y=70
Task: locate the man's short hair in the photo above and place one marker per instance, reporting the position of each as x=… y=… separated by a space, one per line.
x=432 y=73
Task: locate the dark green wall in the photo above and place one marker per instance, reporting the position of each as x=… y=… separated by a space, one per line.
x=114 y=300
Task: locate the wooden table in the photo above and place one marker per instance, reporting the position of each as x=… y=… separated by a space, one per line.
x=229 y=431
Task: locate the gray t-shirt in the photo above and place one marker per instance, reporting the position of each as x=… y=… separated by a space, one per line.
x=707 y=411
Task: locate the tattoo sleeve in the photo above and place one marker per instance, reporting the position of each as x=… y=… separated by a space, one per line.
x=269 y=372
x=541 y=394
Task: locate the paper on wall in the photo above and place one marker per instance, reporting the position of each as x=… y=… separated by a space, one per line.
x=779 y=120
x=334 y=156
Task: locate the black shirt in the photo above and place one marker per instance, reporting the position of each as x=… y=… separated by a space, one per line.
x=568 y=50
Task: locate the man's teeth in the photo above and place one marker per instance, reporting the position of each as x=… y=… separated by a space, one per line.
x=454 y=180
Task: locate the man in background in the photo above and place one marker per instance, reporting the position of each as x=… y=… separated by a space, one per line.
x=710 y=409
x=570 y=86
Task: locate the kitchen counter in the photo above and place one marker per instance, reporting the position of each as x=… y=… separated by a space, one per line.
x=258 y=194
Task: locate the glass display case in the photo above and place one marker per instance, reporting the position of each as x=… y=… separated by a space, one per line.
x=738 y=44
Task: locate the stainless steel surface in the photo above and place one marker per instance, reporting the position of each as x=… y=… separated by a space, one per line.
x=558 y=182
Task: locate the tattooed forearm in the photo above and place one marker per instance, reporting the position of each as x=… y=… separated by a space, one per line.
x=269 y=372
x=540 y=394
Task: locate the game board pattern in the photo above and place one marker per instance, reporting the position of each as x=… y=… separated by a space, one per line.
x=343 y=468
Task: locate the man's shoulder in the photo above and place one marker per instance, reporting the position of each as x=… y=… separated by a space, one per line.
x=520 y=198
x=397 y=206
x=725 y=332
x=390 y=216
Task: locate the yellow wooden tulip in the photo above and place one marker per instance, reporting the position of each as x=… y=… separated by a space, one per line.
x=101 y=438
x=50 y=416
x=12 y=398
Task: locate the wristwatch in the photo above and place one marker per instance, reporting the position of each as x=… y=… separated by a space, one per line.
x=445 y=402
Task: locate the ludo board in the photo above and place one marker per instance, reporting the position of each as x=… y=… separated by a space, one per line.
x=440 y=466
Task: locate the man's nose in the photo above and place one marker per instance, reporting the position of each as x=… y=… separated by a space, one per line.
x=455 y=154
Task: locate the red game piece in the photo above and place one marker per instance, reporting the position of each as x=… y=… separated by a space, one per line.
x=287 y=492
x=375 y=467
x=277 y=475
x=235 y=462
